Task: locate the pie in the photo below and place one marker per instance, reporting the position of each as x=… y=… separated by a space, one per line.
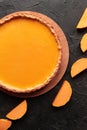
x=30 y=51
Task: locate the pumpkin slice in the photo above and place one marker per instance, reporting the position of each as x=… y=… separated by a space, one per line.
x=83 y=21
x=63 y=96
x=18 y=111
x=79 y=66
x=5 y=124
x=83 y=43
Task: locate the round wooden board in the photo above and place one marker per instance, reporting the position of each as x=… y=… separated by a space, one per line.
x=59 y=75
x=61 y=71
x=64 y=60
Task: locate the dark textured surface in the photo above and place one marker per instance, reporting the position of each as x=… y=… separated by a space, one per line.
x=41 y=115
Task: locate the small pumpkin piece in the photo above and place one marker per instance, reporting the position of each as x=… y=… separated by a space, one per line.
x=5 y=124
x=18 y=111
x=63 y=96
x=78 y=66
x=83 y=43
x=83 y=21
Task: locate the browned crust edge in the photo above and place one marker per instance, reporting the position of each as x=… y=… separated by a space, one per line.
x=53 y=28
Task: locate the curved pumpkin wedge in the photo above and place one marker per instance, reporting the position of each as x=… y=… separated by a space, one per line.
x=18 y=111
x=78 y=66
x=63 y=96
x=5 y=124
x=83 y=43
x=83 y=21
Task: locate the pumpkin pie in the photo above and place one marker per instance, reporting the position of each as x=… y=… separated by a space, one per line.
x=30 y=51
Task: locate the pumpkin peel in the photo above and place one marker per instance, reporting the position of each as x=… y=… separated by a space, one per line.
x=63 y=96
x=18 y=111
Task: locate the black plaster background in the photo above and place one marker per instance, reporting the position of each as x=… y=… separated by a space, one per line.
x=41 y=115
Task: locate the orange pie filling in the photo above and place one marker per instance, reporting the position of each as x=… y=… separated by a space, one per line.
x=29 y=54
